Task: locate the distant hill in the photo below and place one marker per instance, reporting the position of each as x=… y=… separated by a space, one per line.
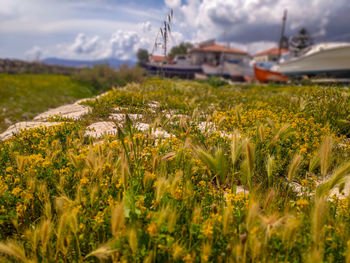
x=115 y=63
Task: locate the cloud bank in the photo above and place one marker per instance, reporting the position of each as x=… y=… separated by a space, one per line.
x=89 y=29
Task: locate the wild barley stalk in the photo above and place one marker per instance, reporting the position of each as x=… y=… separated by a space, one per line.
x=251 y=221
x=293 y=168
x=292 y=172
x=133 y=240
x=319 y=218
x=45 y=232
x=325 y=155
x=249 y=154
x=236 y=149
x=347 y=253
x=314 y=162
x=11 y=248
x=117 y=221
x=339 y=176
x=269 y=170
x=101 y=253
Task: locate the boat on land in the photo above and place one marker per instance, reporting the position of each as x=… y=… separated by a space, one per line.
x=229 y=69
x=172 y=70
x=179 y=67
x=214 y=71
x=264 y=73
x=324 y=59
x=238 y=68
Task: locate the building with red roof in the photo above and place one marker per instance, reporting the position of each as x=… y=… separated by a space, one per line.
x=211 y=53
x=269 y=54
x=159 y=59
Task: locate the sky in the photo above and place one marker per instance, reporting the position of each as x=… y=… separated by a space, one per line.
x=97 y=29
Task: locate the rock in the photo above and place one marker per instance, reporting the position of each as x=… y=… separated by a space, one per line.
x=7 y=121
x=240 y=189
x=100 y=129
x=82 y=100
x=25 y=125
x=73 y=111
x=154 y=104
x=344 y=193
x=175 y=116
x=157 y=133
x=120 y=117
x=119 y=109
x=335 y=191
x=206 y=127
x=160 y=133
x=142 y=126
x=297 y=188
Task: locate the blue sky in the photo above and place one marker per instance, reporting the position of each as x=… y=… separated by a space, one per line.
x=92 y=29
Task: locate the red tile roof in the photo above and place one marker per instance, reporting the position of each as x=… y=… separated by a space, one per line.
x=219 y=48
x=157 y=58
x=271 y=51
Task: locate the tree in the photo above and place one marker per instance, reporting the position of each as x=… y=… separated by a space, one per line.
x=180 y=49
x=142 y=56
x=300 y=42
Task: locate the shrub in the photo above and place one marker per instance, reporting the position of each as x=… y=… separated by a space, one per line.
x=214 y=81
x=102 y=77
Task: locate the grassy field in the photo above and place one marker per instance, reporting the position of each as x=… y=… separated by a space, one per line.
x=24 y=96
x=222 y=174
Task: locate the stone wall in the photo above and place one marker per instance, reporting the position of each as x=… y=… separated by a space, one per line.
x=17 y=66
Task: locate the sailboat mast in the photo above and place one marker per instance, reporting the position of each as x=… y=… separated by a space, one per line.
x=282 y=35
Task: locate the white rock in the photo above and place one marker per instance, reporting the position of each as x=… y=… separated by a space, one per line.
x=73 y=111
x=240 y=189
x=341 y=195
x=120 y=117
x=298 y=188
x=160 y=133
x=25 y=125
x=100 y=129
x=178 y=116
x=157 y=133
x=302 y=190
x=335 y=191
x=206 y=127
x=7 y=121
x=154 y=104
x=82 y=100
x=142 y=126
x=119 y=109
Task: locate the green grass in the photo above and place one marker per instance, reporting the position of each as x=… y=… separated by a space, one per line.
x=135 y=197
x=25 y=96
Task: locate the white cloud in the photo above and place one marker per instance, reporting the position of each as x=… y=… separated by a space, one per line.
x=146 y=26
x=248 y=21
x=176 y=38
x=83 y=45
x=173 y=3
x=259 y=46
x=34 y=53
x=121 y=44
x=251 y=23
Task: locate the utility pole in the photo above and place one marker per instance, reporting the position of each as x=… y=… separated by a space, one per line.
x=164 y=31
x=282 y=39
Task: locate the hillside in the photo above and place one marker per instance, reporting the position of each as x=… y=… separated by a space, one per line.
x=25 y=95
x=112 y=62
x=179 y=171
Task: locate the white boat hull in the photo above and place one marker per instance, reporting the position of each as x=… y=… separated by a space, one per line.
x=233 y=69
x=228 y=69
x=212 y=70
x=333 y=61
